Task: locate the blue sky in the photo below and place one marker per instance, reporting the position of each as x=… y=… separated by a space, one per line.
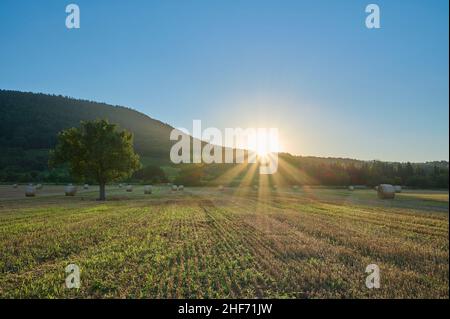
x=310 y=68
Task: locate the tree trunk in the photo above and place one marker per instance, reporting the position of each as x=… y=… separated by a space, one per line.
x=102 y=192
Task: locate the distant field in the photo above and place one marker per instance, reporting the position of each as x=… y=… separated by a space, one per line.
x=203 y=243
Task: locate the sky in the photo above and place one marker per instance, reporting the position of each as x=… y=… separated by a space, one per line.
x=309 y=68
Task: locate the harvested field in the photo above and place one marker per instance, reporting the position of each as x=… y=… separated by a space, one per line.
x=235 y=243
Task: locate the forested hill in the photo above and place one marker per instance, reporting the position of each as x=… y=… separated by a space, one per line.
x=31 y=121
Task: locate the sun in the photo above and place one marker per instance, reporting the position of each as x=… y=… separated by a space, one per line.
x=265 y=143
x=262 y=151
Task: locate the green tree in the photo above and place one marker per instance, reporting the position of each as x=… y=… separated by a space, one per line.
x=191 y=175
x=97 y=150
x=152 y=174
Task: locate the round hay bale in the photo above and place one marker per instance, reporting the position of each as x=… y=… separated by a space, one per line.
x=147 y=189
x=15 y=186
x=70 y=190
x=85 y=186
x=174 y=188
x=398 y=188
x=386 y=191
x=181 y=188
x=129 y=188
x=30 y=191
x=351 y=188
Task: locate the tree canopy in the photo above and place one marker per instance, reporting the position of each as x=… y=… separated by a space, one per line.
x=97 y=150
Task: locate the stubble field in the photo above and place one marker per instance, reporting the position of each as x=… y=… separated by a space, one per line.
x=236 y=243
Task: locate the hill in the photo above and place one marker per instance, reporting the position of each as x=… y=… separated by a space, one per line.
x=30 y=123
